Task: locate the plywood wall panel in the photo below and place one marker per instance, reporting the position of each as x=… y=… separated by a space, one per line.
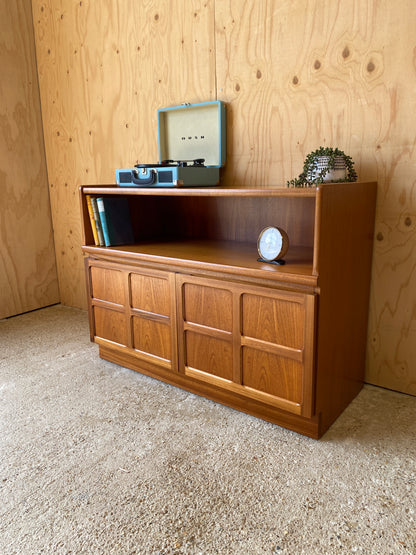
x=300 y=74
x=28 y=278
x=295 y=74
x=105 y=68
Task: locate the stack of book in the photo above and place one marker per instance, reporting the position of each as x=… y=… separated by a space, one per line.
x=110 y=220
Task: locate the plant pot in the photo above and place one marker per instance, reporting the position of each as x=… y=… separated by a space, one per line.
x=337 y=173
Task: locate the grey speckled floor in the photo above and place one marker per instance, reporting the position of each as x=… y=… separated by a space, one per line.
x=95 y=458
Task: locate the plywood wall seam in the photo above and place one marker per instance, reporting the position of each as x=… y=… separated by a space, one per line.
x=43 y=132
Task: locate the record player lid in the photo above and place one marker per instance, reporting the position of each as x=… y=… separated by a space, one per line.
x=193 y=131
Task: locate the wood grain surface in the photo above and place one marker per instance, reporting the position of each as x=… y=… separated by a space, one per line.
x=28 y=278
x=104 y=70
x=295 y=75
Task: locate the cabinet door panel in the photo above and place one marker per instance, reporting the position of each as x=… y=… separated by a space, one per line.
x=272 y=374
x=152 y=337
x=110 y=325
x=107 y=285
x=275 y=320
x=209 y=306
x=209 y=354
x=261 y=340
x=150 y=293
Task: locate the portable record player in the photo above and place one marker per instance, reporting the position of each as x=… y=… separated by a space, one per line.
x=192 y=148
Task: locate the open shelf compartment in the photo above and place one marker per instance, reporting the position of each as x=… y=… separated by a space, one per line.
x=215 y=227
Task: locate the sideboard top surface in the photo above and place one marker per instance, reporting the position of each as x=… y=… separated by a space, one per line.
x=221 y=191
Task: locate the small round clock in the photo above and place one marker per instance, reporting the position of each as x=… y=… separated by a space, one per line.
x=272 y=244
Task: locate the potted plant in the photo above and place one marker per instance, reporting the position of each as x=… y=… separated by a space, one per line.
x=325 y=164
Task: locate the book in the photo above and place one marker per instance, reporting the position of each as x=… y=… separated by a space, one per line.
x=115 y=220
x=92 y=220
x=97 y=222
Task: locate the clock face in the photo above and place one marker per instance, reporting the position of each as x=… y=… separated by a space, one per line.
x=272 y=244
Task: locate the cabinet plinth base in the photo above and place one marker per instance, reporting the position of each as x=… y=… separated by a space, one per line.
x=310 y=427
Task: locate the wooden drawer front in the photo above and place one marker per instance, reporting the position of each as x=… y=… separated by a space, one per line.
x=209 y=306
x=110 y=325
x=274 y=320
x=107 y=285
x=152 y=337
x=150 y=293
x=209 y=354
x=272 y=374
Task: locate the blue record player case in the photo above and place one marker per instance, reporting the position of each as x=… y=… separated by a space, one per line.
x=192 y=148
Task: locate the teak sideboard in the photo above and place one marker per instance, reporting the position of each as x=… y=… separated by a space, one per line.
x=190 y=304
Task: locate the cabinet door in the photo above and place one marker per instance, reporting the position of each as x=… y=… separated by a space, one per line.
x=134 y=310
x=277 y=347
x=206 y=329
x=254 y=341
x=153 y=313
x=109 y=321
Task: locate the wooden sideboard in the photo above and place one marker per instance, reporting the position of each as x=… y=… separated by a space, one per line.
x=189 y=303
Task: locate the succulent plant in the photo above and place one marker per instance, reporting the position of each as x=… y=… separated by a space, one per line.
x=314 y=173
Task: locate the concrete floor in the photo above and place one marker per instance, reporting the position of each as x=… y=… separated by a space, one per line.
x=95 y=458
